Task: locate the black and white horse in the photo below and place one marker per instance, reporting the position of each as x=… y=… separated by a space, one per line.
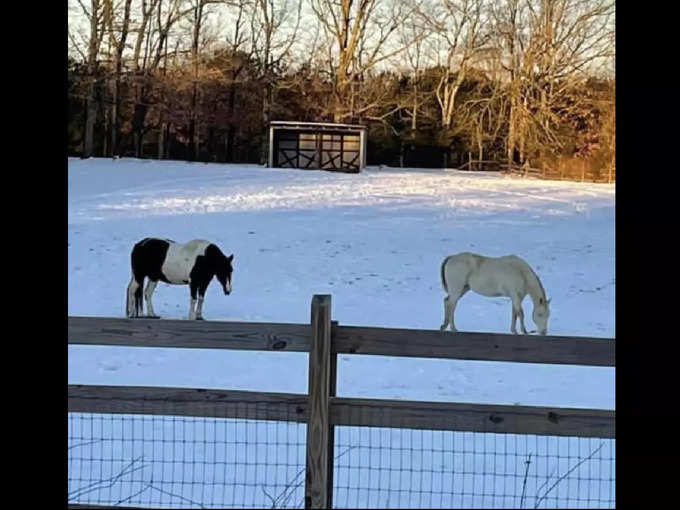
x=193 y=263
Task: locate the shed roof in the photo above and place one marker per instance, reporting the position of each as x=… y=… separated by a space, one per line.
x=291 y=124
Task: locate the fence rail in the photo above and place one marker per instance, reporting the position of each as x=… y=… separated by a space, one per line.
x=501 y=419
x=251 y=336
x=320 y=409
x=345 y=340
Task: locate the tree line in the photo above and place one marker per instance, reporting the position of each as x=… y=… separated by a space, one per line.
x=526 y=84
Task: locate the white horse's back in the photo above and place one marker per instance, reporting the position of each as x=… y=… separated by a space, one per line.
x=488 y=276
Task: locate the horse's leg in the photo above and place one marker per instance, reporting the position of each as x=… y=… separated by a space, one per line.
x=450 y=303
x=452 y=309
x=148 y=292
x=130 y=307
x=135 y=295
x=517 y=312
x=447 y=313
x=199 y=308
x=139 y=305
x=521 y=320
x=201 y=296
x=193 y=288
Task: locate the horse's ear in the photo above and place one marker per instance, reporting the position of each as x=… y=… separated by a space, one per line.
x=230 y=258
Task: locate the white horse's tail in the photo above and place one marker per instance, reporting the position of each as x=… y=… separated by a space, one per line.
x=443 y=272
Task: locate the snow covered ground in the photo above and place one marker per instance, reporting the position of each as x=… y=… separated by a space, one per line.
x=375 y=241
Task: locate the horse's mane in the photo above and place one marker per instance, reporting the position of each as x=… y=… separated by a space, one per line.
x=538 y=280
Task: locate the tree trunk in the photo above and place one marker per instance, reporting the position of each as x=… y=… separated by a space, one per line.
x=119 y=47
x=139 y=120
x=192 y=126
x=91 y=117
x=480 y=148
x=91 y=107
x=266 y=113
x=197 y=142
x=231 y=131
x=211 y=142
x=194 y=131
x=414 y=118
x=161 y=140
x=168 y=141
x=613 y=145
x=115 y=101
x=510 y=145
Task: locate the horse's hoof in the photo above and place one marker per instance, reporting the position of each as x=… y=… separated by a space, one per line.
x=199 y=318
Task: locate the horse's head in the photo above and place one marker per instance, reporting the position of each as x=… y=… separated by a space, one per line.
x=223 y=272
x=541 y=315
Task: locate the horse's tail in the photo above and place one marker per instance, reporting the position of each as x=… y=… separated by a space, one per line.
x=443 y=273
x=129 y=298
x=133 y=298
x=128 y=307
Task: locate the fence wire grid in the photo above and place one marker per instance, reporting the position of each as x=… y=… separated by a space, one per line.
x=185 y=462
x=391 y=465
x=399 y=468
x=190 y=462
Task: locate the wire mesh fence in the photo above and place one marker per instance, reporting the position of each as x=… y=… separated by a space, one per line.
x=191 y=462
x=402 y=468
x=401 y=462
x=185 y=462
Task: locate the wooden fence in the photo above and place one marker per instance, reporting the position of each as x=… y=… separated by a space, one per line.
x=324 y=339
x=570 y=169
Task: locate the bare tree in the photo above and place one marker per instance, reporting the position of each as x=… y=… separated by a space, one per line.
x=460 y=25
x=274 y=28
x=197 y=19
x=118 y=33
x=514 y=79
x=236 y=41
x=152 y=34
x=95 y=16
x=413 y=36
x=549 y=47
x=359 y=38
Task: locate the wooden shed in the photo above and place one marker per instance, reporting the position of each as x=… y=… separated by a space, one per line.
x=317 y=145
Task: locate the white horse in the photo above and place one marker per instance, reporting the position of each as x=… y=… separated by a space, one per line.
x=193 y=263
x=508 y=276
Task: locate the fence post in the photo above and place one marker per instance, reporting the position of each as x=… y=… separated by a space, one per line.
x=332 y=388
x=316 y=477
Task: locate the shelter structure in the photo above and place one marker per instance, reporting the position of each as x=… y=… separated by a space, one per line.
x=317 y=145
